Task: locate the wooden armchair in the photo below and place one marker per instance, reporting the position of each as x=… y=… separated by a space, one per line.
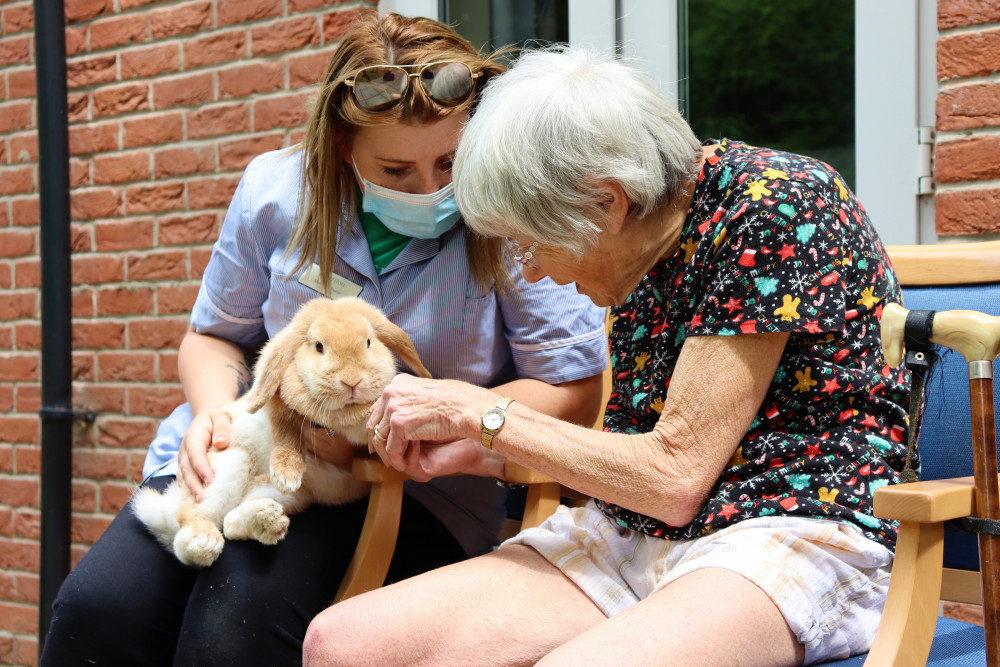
x=958 y=460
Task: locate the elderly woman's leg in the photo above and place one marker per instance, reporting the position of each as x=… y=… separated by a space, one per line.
x=509 y=607
x=709 y=617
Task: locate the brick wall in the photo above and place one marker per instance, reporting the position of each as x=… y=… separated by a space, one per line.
x=168 y=101
x=967 y=154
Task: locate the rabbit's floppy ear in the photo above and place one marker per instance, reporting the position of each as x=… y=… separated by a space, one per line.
x=276 y=356
x=396 y=340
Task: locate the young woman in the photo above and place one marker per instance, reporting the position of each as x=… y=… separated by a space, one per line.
x=364 y=207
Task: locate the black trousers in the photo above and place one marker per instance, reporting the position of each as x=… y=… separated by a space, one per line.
x=130 y=602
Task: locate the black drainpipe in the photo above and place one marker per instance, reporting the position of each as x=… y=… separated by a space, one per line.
x=57 y=360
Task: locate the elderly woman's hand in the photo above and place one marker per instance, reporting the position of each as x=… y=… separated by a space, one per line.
x=430 y=428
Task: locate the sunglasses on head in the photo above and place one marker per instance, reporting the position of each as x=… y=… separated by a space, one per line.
x=381 y=87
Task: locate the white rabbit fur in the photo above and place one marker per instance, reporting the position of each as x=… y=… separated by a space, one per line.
x=327 y=367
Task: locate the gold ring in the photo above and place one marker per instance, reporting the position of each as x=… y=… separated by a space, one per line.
x=377 y=434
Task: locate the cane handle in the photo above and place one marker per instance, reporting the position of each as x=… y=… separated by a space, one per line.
x=974 y=335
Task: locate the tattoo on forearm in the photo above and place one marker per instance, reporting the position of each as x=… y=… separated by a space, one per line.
x=243 y=377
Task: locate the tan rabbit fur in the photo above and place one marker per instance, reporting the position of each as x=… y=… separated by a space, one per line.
x=326 y=367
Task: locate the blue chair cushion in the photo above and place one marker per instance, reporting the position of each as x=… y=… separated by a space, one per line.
x=956 y=644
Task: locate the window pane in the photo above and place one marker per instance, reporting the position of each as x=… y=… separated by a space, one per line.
x=777 y=73
x=496 y=23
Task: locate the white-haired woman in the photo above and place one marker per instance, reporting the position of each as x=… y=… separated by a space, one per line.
x=732 y=520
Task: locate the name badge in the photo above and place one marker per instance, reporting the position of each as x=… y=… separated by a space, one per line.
x=339 y=288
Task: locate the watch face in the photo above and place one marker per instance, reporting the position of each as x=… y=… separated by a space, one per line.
x=493 y=419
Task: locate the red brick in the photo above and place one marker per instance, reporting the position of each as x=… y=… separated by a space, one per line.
x=118 y=31
x=83 y=302
x=168 y=367
x=157 y=265
x=114 y=496
x=138 y=63
x=337 y=23
x=6 y=465
x=121 y=167
x=281 y=112
x=17 y=305
x=17 y=180
x=190 y=159
x=79 y=240
x=18 y=368
x=129 y=4
x=967 y=211
x=214 y=48
x=19 y=491
x=103 y=399
x=157 y=334
x=95 y=203
x=974 y=159
x=6 y=400
x=78 y=107
x=187 y=230
x=115 y=100
x=308 y=69
x=180 y=19
x=84 y=496
x=182 y=91
x=16 y=115
x=88 y=529
x=84 y=10
x=237 y=154
x=25 y=212
x=124 y=234
x=211 y=193
x=152 y=129
x=295 y=6
x=93 y=138
x=155 y=197
x=7 y=651
x=83 y=367
x=79 y=173
x=17 y=243
x=21 y=83
x=959 y=13
x=27 y=273
x=5 y=281
x=154 y=401
x=99 y=464
x=216 y=120
x=126 y=367
x=99 y=335
x=240 y=11
x=88 y=71
x=76 y=40
x=97 y=270
x=15 y=50
x=199 y=260
x=125 y=301
x=175 y=299
x=131 y=432
x=243 y=80
x=27 y=523
x=28 y=336
x=285 y=36
x=967 y=107
x=18 y=18
x=27 y=591
x=968 y=55
x=19 y=619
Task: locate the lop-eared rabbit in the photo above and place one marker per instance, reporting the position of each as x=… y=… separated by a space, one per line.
x=326 y=368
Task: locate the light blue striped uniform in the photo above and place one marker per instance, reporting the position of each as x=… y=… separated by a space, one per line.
x=540 y=331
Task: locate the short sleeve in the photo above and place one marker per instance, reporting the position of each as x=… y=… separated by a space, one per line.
x=774 y=264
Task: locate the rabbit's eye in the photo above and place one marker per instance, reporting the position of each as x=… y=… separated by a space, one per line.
x=369 y=342
x=319 y=347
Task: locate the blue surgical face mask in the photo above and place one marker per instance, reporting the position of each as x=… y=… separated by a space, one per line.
x=416 y=216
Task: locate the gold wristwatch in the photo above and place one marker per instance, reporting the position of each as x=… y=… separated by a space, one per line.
x=493 y=420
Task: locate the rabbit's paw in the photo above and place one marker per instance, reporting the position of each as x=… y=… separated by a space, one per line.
x=287 y=469
x=260 y=519
x=198 y=545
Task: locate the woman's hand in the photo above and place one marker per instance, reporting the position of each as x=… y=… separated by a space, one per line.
x=211 y=428
x=430 y=428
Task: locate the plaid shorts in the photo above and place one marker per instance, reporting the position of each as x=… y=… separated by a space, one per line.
x=826 y=578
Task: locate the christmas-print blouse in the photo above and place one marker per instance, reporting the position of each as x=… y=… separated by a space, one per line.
x=774 y=242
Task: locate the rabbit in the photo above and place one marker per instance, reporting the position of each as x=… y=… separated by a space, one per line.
x=326 y=368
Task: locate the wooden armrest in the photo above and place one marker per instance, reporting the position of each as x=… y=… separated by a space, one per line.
x=927 y=502
x=371 y=469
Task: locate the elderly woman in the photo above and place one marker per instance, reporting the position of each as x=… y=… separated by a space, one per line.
x=752 y=412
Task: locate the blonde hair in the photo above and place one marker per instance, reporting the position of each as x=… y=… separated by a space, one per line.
x=327 y=195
